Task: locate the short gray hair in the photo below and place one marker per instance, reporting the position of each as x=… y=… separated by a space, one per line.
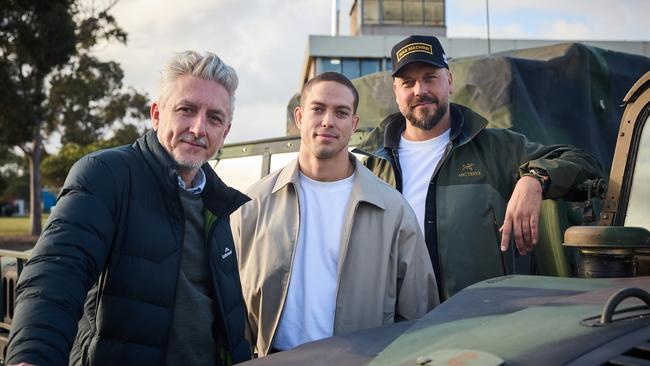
x=207 y=66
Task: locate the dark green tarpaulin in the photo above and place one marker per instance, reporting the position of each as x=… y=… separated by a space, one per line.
x=566 y=93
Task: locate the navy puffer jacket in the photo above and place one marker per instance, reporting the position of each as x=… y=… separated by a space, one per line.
x=101 y=280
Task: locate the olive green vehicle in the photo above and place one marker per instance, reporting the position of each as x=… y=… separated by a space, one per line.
x=590 y=305
x=589 y=302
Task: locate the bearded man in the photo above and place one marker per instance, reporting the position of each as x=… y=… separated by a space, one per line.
x=471 y=187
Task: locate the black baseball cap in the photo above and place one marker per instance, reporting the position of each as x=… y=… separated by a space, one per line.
x=418 y=49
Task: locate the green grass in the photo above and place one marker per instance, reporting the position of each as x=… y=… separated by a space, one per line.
x=15 y=226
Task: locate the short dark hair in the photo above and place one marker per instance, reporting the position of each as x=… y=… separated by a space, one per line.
x=335 y=77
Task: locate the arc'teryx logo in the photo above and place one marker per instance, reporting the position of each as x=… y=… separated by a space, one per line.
x=467 y=170
x=226 y=253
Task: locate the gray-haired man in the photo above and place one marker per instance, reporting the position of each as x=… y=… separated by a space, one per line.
x=141 y=234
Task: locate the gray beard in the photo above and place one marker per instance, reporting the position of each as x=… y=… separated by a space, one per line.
x=189 y=165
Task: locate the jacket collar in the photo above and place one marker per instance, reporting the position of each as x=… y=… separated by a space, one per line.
x=217 y=196
x=365 y=187
x=465 y=125
x=220 y=199
x=158 y=160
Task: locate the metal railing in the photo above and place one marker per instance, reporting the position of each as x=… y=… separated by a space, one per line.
x=11 y=270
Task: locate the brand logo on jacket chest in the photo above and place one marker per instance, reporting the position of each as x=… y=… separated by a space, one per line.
x=226 y=253
x=469 y=170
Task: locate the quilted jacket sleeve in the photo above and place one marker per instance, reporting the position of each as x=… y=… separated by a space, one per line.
x=66 y=261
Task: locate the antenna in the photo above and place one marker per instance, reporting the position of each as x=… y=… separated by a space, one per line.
x=487 y=15
x=335 y=17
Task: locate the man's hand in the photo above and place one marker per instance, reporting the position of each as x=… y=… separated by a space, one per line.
x=522 y=215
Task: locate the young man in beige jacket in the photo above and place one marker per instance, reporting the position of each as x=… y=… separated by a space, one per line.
x=324 y=247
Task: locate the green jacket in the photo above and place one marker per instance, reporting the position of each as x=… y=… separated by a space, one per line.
x=467 y=199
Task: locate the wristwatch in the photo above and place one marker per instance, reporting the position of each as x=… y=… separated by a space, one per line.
x=542 y=177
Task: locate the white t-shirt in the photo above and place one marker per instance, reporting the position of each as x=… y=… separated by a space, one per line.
x=418 y=160
x=309 y=308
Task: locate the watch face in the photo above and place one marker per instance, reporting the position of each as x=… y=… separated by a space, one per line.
x=538 y=172
x=541 y=176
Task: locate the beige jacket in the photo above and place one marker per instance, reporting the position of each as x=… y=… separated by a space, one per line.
x=384 y=272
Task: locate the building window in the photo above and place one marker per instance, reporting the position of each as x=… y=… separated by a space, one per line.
x=407 y=12
x=393 y=12
x=389 y=64
x=350 y=67
x=413 y=12
x=434 y=13
x=325 y=64
x=368 y=66
x=371 y=12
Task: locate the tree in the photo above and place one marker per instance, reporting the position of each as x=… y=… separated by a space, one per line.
x=15 y=187
x=87 y=101
x=51 y=82
x=55 y=168
x=12 y=177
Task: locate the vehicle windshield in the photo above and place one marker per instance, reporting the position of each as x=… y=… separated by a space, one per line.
x=239 y=172
x=638 y=210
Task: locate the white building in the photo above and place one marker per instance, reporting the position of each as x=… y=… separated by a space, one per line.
x=377 y=25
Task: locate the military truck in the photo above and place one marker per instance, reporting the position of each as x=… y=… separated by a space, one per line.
x=566 y=93
x=595 y=308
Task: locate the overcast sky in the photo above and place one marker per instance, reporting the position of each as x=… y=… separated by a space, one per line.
x=265 y=40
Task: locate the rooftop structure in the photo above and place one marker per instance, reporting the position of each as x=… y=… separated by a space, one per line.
x=376 y=25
